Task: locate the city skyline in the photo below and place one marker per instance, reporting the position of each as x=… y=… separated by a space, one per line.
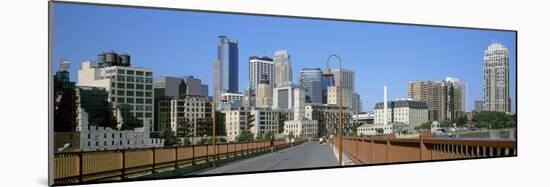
x=383 y=56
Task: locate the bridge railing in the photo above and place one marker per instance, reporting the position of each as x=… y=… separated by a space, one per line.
x=374 y=150
x=82 y=167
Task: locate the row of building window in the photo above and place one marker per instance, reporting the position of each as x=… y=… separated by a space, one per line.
x=132 y=100
x=132 y=93
x=132 y=86
x=130 y=72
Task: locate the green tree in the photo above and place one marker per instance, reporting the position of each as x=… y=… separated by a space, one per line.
x=426 y=125
x=461 y=122
x=268 y=135
x=245 y=136
x=379 y=131
x=205 y=141
x=354 y=130
x=291 y=135
x=186 y=141
x=169 y=137
x=494 y=120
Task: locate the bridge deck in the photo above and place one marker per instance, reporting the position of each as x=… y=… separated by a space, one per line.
x=309 y=154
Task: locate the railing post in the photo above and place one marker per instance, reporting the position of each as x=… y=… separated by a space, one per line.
x=388 y=152
x=176 y=157
x=371 y=150
x=193 y=154
x=424 y=152
x=80 y=166
x=154 y=162
x=123 y=164
x=206 y=152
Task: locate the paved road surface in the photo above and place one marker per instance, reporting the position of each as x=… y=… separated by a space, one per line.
x=309 y=154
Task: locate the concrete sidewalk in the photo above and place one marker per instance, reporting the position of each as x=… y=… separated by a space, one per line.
x=346 y=161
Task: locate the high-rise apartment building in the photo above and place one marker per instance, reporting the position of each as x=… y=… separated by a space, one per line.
x=282 y=68
x=445 y=99
x=225 y=70
x=496 y=79
x=463 y=98
x=260 y=66
x=310 y=81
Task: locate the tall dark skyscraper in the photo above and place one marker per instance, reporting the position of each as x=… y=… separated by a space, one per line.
x=310 y=81
x=226 y=68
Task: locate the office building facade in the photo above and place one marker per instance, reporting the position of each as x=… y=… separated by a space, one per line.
x=226 y=68
x=310 y=81
x=264 y=93
x=260 y=66
x=282 y=68
x=348 y=78
x=128 y=87
x=410 y=112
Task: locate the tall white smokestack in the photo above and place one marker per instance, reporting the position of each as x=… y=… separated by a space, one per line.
x=385 y=105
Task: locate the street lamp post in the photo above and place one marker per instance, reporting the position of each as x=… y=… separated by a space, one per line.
x=340 y=126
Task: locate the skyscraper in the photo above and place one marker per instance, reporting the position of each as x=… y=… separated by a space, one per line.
x=226 y=68
x=310 y=81
x=348 y=78
x=260 y=66
x=496 y=76
x=217 y=86
x=282 y=68
x=356 y=105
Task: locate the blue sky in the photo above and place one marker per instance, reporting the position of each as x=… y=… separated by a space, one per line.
x=176 y=43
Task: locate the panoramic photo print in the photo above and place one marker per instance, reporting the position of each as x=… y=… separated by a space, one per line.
x=143 y=93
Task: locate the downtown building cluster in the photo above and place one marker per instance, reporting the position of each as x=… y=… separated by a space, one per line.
x=114 y=105
x=445 y=100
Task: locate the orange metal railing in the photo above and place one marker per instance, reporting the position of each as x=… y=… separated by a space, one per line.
x=82 y=167
x=374 y=150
